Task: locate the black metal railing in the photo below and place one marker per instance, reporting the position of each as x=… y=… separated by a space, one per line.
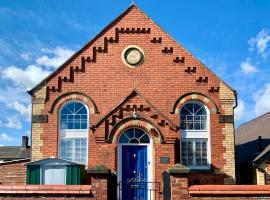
x=139 y=191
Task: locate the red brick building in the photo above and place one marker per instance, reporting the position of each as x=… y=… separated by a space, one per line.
x=133 y=102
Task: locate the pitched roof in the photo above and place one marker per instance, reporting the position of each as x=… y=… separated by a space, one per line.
x=52 y=161
x=247 y=152
x=265 y=154
x=103 y=31
x=250 y=131
x=14 y=152
x=15 y=161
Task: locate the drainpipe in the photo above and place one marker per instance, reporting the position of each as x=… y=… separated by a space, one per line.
x=235 y=105
x=235 y=100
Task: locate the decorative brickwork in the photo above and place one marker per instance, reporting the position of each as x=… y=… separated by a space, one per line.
x=38 y=101
x=195 y=97
x=227 y=100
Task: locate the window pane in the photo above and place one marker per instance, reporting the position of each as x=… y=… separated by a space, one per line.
x=123 y=139
x=190 y=152
x=184 y=152
x=77 y=125
x=139 y=133
x=145 y=139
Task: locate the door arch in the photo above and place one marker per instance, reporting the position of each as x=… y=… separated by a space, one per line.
x=134 y=164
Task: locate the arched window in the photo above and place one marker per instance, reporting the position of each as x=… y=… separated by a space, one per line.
x=193 y=116
x=73 y=116
x=73 y=131
x=194 y=135
x=134 y=135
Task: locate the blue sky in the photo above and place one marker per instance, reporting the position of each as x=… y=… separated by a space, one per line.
x=231 y=37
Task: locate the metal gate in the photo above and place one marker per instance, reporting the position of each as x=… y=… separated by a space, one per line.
x=139 y=191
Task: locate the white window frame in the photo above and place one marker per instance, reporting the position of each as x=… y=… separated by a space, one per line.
x=197 y=134
x=73 y=133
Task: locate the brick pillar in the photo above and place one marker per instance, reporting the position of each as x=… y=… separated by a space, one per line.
x=179 y=182
x=260 y=177
x=99 y=182
x=99 y=185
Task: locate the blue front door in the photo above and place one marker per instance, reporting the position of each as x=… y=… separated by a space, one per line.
x=134 y=172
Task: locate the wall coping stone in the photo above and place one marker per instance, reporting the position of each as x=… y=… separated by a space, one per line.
x=99 y=169
x=229 y=189
x=45 y=189
x=179 y=169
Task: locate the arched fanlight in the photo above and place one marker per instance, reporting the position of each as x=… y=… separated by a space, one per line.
x=135 y=136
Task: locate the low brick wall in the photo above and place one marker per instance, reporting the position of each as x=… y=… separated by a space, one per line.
x=229 y=192
x=13 y=172
x=181 y=190
x=49 y=192
x=98 y=190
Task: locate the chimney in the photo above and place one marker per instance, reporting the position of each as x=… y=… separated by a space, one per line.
x=24 y=142
x=260 y=146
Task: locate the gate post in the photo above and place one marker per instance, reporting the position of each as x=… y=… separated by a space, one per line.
x=179 y=182
x=99 y=181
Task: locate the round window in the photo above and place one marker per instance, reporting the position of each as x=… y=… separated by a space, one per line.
x=132 y=56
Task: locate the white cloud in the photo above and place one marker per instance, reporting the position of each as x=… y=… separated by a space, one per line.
x=58 y=56
x=12 y=94
x=240 y=109
x=262 y=100
x=25 y=111
x=247 y=67
x=26 y=56
x=260 y=42
x=27 y=78
x=5 y=137
x=13 y=122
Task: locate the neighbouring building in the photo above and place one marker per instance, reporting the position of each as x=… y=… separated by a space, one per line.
x=252 y=139
x=132 y=103
x=10 y=153
x=12 y=163
x=262 y=165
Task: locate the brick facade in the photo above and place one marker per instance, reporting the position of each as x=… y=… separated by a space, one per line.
x=168 y=77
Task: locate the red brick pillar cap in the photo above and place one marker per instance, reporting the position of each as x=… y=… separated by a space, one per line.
x=179 y=169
